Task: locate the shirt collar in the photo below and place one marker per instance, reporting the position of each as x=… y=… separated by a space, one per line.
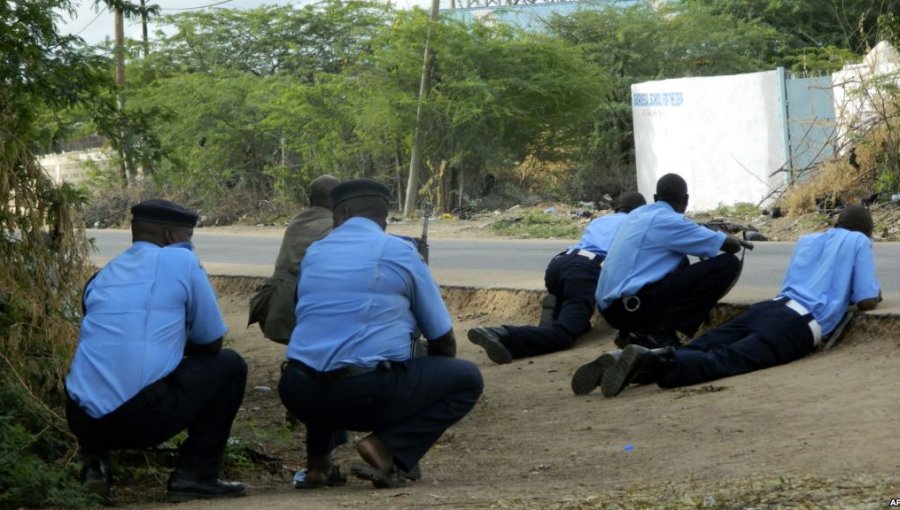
x=363 y=223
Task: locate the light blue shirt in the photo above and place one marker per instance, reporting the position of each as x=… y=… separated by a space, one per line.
x=828 y=272
x=141 y=309
x=651 y=242
x=599 y=234
x=361 y=295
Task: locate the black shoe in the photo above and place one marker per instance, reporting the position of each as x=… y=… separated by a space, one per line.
x=96 y=477
x=626 y=338
x=187 y=488
x=548 y=310
x=490 y=339
x=390 y=479
x=663 y=338
x=414 y=474
x=636 y=360
x=657 y=340
x=588 y=376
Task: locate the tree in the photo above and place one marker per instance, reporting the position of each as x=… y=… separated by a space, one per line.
x=489 y=107
x=43 y=252
x=273 y=40
x=815 y=35
x=641 y=43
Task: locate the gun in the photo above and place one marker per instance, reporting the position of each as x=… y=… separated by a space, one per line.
x=835 y=335
x=419 y=344
x=423 y=241
x=748 y=233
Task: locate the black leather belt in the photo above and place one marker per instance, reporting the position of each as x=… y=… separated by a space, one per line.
x=335 y=375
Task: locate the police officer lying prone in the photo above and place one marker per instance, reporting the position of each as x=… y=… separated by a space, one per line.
x=828 y=272
x=648 y=290
x=362 y=294
x=571 y=279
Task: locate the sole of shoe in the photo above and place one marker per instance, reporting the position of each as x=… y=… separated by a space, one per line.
x=589 y=375
x=495 y=351
x=548 y=307
x=620 y=375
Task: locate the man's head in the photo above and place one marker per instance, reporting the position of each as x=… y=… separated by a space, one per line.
x=320 y=191
x=672 y=189
x=360 y=197
x=629 y=201
x=856 y=218
x=162 y=222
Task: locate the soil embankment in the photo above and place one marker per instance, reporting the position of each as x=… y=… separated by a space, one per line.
x=819 y=433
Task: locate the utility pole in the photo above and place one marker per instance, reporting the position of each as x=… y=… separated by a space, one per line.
x=120 y=91
x=144 y=28
x=415 y=163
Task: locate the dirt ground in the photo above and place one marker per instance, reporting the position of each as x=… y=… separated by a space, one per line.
x=819 y=433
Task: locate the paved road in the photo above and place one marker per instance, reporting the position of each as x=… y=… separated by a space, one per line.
x=496 y=263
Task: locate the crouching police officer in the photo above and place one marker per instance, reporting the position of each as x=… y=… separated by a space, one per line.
x=361 y=295
x=150 y=362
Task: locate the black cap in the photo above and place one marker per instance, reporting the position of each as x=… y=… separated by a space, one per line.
x=357 y=189
x=163 y=211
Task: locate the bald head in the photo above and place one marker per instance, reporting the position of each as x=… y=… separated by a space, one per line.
x=320 y=191
x=629 y=201
x=856 y=218
x=672 y=188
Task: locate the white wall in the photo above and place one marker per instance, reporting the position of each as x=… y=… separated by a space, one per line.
x=862 y=92
x=72 y=167
x=723 y=134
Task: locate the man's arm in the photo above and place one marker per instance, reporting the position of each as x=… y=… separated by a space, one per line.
x=192 y=349
x=444 y=345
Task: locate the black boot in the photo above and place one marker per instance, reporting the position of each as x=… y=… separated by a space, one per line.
x=589 y=375
x=548 y=311
x=187 y=487
x=635 y=361
x=658 y=339
x=96 y=477
x=491 y=340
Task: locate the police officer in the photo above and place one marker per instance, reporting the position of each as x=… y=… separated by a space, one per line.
x=272 y=306
x=648 y=290
x=828 y=272
x=150 y=362
x=571 y=278
x=362 y=293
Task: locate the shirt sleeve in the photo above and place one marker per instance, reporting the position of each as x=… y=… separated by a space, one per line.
x=865 y=285
x=204 y=320
x=428 y=306
x=686 y=237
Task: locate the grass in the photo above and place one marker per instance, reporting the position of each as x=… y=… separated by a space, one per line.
x=539 y=225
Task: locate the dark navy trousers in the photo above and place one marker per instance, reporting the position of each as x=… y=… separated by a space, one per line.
x=681 y=301
x=572 y=279
x=767 y=335
x=202 y=395
x=407 y=405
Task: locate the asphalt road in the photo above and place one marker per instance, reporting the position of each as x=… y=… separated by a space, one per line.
x=493 y=263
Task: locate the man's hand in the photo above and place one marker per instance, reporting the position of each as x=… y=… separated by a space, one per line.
x=444 y=345
x=731 y=244
x=869 y=304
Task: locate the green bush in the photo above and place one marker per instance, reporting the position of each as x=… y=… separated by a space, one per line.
x=539 y=225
